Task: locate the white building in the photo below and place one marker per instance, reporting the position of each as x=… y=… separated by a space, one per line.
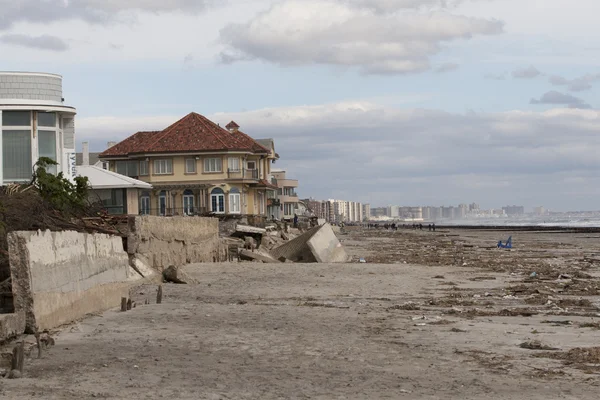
x=34 y=123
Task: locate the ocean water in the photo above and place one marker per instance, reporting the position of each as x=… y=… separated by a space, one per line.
x=551 y=220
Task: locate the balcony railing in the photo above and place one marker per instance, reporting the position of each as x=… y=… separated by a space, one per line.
x=174 y=211
x=242 y=174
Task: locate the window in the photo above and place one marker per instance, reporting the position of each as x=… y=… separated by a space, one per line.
x=235 y=201
x=217 y=201
x=47 y=147
x=46 y=119
x=113 y=200
x=188 y=202
x=16 y=155
x=213 y=165
x=163 y=167
x=289 y=191
x=190 y=165
x=233 y=163
x=145 y=203
x=16 y=118
x=289 y=208
x=252 y=165
x=162 y=203
x=128 y=168
x=143 y=167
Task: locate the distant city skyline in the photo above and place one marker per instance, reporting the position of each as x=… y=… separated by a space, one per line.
x=412 y=102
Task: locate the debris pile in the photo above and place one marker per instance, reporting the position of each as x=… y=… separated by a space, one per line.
x=278 y=243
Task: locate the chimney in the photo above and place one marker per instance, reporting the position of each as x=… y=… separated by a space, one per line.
x=110 y=144
x=232 y=127
x=85 y=148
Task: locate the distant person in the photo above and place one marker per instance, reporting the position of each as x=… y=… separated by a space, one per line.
x=295 y=221
x=433 y=226
x=429 y=226
x=420 y=227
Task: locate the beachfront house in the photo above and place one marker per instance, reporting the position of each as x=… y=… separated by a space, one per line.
x=34 y=123
x=196 y=167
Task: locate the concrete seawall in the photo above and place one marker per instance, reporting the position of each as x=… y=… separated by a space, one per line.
x=59 y=277
x=158 y=242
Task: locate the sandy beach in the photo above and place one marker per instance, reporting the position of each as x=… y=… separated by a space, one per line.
x=442 y=315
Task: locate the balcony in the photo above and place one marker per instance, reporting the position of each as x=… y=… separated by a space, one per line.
x=251 y=174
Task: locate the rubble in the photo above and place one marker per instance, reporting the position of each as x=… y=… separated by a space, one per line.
x=318 y=244
x=256 y=256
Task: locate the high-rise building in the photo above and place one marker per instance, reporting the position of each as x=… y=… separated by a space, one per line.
x=514 y=210
x=366 y=212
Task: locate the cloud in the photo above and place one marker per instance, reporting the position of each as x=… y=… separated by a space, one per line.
x=44 y=42
x=526 y=73
x=96 y=11
x=417 y=156
x=447 y=67
x=575 y=85
x=556 y=98
x=336 y=32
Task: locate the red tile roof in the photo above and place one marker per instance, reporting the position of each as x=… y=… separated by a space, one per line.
x=193 y=133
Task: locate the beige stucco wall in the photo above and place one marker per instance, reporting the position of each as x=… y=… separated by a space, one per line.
x=59 y=277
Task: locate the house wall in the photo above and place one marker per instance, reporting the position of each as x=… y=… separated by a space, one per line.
x=133 y=202
x=59 y=277
x=179 y=174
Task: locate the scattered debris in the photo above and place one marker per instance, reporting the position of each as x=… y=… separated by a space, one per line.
x=170 y=275
x=410 y=306
x=536 y=345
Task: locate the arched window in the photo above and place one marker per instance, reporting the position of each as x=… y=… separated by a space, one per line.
x=188 y=202
x=162 y=203
x=145 y=203
x=217 y=201
x=235 y=206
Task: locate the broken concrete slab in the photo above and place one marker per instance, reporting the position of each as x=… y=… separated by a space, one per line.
x=317 y=245
x=11 y=325
x=326 y=247
x=247 y=255
x=249 y=229
x=59 y=277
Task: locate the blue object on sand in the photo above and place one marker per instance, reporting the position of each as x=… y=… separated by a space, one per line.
x=508 y=244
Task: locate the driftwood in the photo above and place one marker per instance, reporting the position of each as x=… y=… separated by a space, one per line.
x=129 y=304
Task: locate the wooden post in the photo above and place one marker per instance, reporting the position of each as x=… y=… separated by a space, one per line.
x=39 y=343
x=159 y=295
x=21 y=357
x=129 y=304
x=15 y=359
x=123 y=303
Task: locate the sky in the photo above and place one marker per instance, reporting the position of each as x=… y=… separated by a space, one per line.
x=403 y=102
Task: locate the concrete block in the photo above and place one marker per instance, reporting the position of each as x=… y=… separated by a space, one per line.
x=11 y=325
x=164 y=241
x=59 y=277
x=251 y=256
x=326 y=247
x=317 y=245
